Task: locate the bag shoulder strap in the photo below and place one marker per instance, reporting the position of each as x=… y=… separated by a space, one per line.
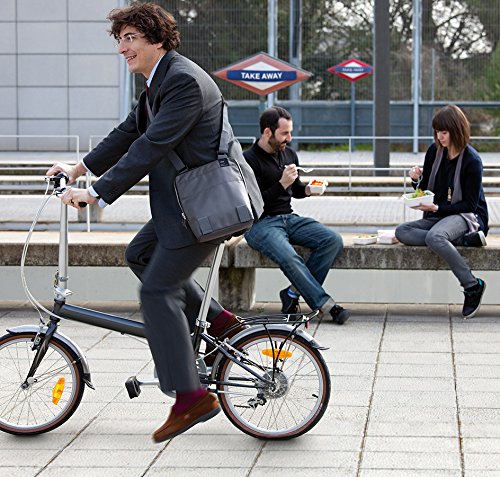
x=223 y=141
x=224 y=132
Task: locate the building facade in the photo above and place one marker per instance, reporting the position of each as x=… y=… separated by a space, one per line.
x=60 y=72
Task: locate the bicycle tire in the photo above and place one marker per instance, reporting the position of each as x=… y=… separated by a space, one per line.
x=252 y=413
x=53 y=396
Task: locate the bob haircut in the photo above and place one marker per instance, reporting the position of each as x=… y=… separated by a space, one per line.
x=156 y=24
x=452 y=119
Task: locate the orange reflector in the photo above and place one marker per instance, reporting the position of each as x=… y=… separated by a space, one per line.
x=282 y=354
x=57 y=391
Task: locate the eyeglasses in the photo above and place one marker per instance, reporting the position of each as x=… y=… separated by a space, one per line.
x=128 y=38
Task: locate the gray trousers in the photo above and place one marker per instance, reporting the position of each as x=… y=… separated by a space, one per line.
x=171 y=301
x=440 y=235
x=138 y=255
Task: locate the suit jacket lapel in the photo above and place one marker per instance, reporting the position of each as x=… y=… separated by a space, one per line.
x=160 y=73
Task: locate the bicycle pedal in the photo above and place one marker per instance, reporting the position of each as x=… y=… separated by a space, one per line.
x=133 y=387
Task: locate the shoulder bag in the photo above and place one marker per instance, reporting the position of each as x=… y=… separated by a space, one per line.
x=213 y=198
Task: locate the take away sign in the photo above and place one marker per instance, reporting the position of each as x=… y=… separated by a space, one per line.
x=352 y=70
x=262 y=74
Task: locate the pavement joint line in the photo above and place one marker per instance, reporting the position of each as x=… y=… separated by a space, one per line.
x=385 y=432
x=459 y=421
x=256 y=459
x=156 y=457
x=64 y=447
x=368 y=413
x=97 y=342
x=91 y=421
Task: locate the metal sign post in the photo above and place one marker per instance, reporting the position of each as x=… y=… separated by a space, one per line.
x=352 y=70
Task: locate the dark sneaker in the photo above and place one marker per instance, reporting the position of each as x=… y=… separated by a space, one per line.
x=475 y=239
x=289 y=305
x=339 y=315
x=472 y=300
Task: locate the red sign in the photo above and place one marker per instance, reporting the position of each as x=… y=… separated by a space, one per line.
x=352 y=70
x=262 y=74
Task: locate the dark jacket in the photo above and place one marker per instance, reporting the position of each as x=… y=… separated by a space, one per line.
x=187 y=108
x=268 y=170
x=471 y=181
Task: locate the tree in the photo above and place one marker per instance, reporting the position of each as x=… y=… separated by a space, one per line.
x=459 y=39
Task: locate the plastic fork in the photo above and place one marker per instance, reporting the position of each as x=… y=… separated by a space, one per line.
x=305 y=169
x=419 y=180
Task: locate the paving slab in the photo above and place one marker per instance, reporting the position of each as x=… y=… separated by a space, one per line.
x=409 y=384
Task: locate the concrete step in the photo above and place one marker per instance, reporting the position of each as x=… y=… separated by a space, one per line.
x=358 y=169
x=337 y=185
x=130 y=212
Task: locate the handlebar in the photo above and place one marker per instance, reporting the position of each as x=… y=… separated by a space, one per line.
x=60 y=180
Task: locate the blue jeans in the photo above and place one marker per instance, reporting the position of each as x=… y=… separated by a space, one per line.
x=274 y=237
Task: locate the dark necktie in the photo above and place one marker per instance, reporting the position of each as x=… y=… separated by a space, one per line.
x=146 y=105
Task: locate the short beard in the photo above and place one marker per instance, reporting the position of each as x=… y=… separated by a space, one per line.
x=275 y=145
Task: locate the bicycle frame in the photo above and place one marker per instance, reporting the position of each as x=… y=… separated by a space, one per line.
x=126 y=326
x=254 y=369
x=106 y=320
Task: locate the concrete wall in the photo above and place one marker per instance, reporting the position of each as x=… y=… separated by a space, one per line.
x=346 y=286
x=60 y=73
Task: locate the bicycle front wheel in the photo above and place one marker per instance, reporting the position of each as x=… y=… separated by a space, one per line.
x=292 y=402
x=43 y=402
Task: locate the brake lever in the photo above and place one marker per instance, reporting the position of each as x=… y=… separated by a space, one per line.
x=57 y=185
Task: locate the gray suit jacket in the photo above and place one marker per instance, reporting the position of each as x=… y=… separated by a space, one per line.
x=187 y=108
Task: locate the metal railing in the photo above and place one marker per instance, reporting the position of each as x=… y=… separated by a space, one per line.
x=351 y=167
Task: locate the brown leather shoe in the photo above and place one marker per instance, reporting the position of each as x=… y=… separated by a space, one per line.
x=233 y=326
x=202 y=410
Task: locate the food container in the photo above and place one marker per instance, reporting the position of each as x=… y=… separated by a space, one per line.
x=317 y=186
x=386 y=237
x=426 y=199
x=365 y=239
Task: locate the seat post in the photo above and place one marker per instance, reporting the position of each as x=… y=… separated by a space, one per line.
x=209 y=290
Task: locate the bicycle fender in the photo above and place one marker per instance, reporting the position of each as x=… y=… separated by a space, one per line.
x=16 y=330
x=278 y=326
x=274 y=327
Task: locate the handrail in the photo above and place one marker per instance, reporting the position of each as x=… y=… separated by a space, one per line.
x=46 y=136
x=349 y=139
x=496 y=138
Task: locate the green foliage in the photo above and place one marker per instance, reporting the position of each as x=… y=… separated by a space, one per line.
x=460 y=58
x=491 y=78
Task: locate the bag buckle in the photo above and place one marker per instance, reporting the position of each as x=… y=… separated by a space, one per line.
x=223 y=159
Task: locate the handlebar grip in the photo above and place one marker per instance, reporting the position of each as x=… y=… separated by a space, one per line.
x=82 y=204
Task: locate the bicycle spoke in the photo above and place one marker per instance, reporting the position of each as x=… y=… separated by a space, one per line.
x=293 y=403
x=33 y=408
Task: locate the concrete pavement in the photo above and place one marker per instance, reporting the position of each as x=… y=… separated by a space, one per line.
x=348 y=213
x=415 y=392
x=130 y=212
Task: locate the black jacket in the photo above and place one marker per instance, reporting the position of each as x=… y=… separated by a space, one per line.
x=268 y=171
x=471 y=181
x=187 y=108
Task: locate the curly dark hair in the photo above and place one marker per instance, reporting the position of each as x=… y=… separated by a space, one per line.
x=155 y=23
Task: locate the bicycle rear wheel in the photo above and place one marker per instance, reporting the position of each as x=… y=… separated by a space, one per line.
x=294 y=402
x=49 y=398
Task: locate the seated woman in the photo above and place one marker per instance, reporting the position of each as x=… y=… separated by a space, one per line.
x=452 y=170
